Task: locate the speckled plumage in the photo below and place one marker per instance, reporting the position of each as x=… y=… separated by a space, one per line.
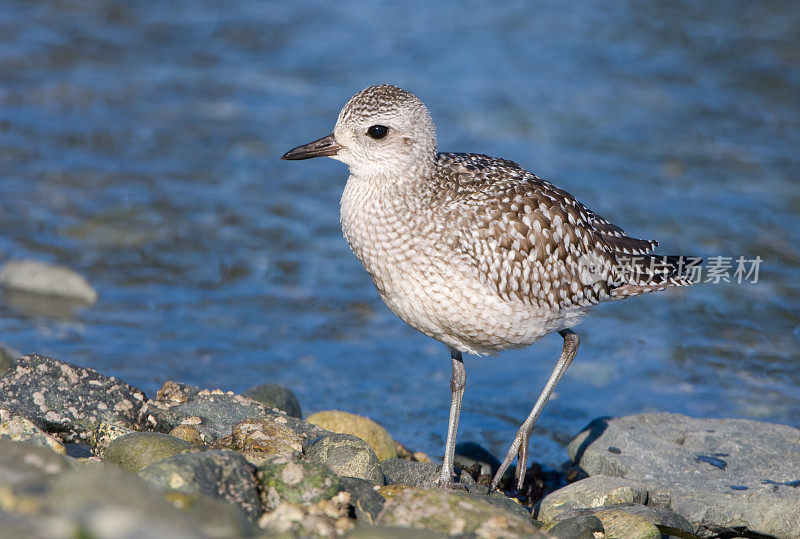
x=474 y=251
x=483 y=255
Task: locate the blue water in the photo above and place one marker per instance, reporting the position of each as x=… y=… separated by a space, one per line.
x=140 y=144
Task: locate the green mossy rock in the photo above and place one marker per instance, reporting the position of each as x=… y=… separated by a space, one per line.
x=285 y=480
x=137 y=450
x=362 y=427
x=453 y=513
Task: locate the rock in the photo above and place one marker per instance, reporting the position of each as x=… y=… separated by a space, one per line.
x=7 y=358
x=409 y=473
x=591 y=492
x=48 y=279
x=212 y=412
x=137 y=450
x=387 y=491
x=662 y=518
x=324 y=518
x=393 y=532
x=417 y=474
x=69 y=400
x=580 y=527
x=346 y=455
x=187 y=433
x=20 y=429
x=102 y=501
x=453 y=513
x=104 y=434
x=22 y=526
x=284 y=480
x=401 y=475
x=216 y=473
x=717 y=473
x=276 y=396
x=367 y=502
x=498 y=499
x=469 y=454
x=25 y=474
x=52 y=495
x=215 y=517
x=623 y=524
x=261 y=439
x=406 y=454
x=362 y=427
x=40 y=306
x=80 y=452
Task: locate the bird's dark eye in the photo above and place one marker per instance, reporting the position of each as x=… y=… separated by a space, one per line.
x=377 y=131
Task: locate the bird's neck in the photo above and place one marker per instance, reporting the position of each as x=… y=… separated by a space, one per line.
x=376 y=211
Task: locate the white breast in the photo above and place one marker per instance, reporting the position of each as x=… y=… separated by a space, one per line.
x=420 y=279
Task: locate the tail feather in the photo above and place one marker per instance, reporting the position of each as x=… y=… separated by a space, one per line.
x=636 y=275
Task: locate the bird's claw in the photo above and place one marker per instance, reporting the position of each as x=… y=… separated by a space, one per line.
x=518 y=450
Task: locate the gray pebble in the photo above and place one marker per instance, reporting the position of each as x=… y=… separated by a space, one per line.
x=276 y=396
x=346 y=455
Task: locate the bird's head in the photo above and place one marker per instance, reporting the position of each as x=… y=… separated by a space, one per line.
x=383 y=131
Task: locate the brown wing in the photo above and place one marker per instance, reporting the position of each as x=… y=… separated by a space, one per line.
x=533 y=242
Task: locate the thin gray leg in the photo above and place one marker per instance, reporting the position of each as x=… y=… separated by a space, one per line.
x=458 y=381
x=519 y=448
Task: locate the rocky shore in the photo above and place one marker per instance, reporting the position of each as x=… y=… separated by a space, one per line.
x=86 y=455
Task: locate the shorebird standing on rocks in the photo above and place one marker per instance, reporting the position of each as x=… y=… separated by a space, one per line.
x=474 y=251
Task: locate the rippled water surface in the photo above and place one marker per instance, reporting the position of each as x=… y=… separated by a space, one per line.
x=139 y=145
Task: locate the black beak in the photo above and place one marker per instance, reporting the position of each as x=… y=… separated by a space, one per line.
x=326 y=146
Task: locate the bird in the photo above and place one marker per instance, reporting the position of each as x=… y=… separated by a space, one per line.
x=475 y=251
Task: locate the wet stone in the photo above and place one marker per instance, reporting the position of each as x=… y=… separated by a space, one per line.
x=36 y=277
x=417 y=474
x=101 y=501
x=22 y=526
x=323 y=518
x=69 y=400
x=215 y=517
x=716 y=473
x=453 y=513
x=363 y=427
x=137 y=450
x=216 y=473
x=104 y=434
x=21 y=429
x=367 y=502
x=261 y=439
x=212 y=412
x=469 y=454
x=591 y=492
x=7 y=358
x=406 y=454
x=285 y=480
x=658 y=517
x=496 y=498
x=276 y=396
x=187 y=433
x=346 y=455
x=579 y=527
x=26 y=472
x=393 y=532
x=623 y=524
x=409 y=473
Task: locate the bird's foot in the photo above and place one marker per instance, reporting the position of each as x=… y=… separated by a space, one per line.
x=518 y=450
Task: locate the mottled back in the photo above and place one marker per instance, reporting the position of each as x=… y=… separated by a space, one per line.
x=530 y=241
